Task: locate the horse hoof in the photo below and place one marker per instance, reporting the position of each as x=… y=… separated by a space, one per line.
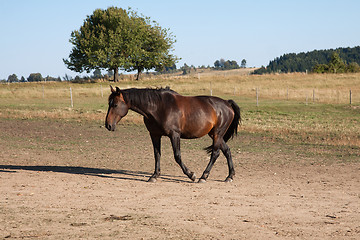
x=201 y=180
x=192 y=177
x=228 y=179
x=152 y=180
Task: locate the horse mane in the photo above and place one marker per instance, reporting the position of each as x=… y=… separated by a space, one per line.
x=145 y=96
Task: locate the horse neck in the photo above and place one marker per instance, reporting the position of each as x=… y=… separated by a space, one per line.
x=135 y=102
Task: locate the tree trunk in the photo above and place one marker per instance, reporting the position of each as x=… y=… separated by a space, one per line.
x=116 y=74
x=138 y=74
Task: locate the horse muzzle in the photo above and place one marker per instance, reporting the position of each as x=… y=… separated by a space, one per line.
x=110 y=127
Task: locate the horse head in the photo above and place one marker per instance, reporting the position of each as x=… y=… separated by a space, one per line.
x=117 y=109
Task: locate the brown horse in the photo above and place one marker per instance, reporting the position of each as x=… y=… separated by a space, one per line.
x=167 y=113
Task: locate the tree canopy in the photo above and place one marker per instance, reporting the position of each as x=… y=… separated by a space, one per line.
x=35 y=77
x=117 y=38
x=226 y=65
x=13 y=78
x=336 y=65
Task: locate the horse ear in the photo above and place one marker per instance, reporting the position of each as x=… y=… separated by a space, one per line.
x=117 y=90
x=112 y=89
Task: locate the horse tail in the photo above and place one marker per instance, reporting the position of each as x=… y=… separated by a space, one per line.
x=232 y=130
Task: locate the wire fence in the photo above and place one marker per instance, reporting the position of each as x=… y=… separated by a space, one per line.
x=306 y=95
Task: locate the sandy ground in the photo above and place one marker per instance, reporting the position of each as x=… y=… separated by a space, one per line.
x=66 y=180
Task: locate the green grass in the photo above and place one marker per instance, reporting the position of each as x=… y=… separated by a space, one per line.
x=316 y=123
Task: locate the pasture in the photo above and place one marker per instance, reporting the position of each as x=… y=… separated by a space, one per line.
x=297 y=162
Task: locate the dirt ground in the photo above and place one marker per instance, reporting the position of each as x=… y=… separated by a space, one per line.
x=71 y=180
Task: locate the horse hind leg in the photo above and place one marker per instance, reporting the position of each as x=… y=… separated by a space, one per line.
x=226 y=151
x=216 y=147
x=214 y=155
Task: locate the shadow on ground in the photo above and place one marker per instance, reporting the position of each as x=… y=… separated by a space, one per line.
x=97 y=172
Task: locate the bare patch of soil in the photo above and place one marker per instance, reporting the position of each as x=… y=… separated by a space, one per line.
x=70 y=180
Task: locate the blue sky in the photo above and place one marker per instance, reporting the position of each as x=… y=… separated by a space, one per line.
x=35 y=33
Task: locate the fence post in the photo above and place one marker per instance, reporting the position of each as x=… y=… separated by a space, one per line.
x=210 y=89
x=350 y=96
x=71 y=98
x=313 y=95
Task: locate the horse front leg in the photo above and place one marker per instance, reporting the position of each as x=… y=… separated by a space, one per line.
x=156 y=141
x=175 y=142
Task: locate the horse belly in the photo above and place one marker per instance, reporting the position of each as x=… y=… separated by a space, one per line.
x=190 y=133
x=197 y=125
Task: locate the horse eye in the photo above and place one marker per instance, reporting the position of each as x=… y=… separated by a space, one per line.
x=115 y=105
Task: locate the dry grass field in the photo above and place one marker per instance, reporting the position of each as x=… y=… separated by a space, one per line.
x=296 y=157
x=303 y=107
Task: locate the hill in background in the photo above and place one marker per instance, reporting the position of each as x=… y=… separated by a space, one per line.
x=303 y=62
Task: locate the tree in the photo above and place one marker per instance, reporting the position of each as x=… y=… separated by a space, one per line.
x=222 y=63
x=233 y=64
x=185 y=69
x=154 y=50
x=225 y=65
x=169 y=69
x=243 y=63
x=97 y=74
x=320 y=68
x=353 y=67
x=35 y=77
x=13 y=78
x=116 y=38
x=336 y=64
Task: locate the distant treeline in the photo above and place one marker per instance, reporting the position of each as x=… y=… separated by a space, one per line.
x=98 y=75
x=220 y=64
x=37 y=77
x=310 y=61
